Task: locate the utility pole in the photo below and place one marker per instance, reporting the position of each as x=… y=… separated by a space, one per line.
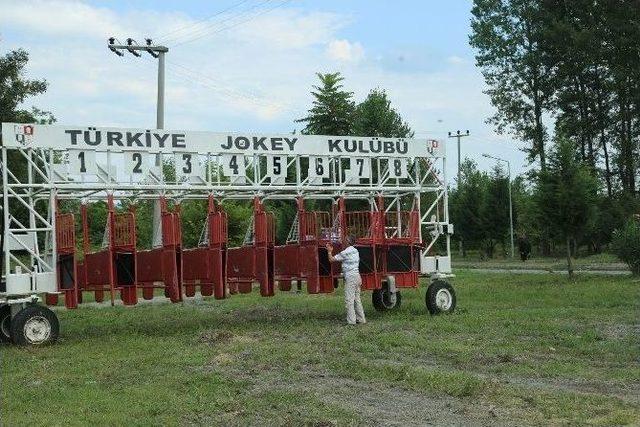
x=158 y=52
x=458 y=135
x=510 y=203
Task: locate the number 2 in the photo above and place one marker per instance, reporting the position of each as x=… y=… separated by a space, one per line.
x=137 y=157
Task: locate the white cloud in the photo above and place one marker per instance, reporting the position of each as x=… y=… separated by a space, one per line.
x=456 y=60
x=253 y=76
x=344 y=50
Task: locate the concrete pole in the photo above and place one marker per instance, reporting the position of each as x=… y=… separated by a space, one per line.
x=160 y=106
x=510 y=208
x=157 y=212
x=459 y=171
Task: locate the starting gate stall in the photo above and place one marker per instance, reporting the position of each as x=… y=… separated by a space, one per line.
x=161 y=267
x=304 y=256
x=66 y=262
x=365 y=226
x=401 y=245
x=113 y=268
x=206 y=265
x=253 y=261
x=45 y=163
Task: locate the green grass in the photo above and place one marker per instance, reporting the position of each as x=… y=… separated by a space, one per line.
x=603 y=261
x=520 y=349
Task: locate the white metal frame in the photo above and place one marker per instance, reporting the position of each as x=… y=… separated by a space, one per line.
x=48 y=179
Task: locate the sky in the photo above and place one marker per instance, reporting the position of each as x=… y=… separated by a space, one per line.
x=249 y=65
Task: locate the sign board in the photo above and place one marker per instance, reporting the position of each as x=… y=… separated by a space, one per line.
x=176 y=141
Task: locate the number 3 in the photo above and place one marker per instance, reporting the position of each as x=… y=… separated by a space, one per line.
x=187 y=168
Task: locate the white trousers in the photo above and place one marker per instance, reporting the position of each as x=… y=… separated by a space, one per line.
x=355 y=312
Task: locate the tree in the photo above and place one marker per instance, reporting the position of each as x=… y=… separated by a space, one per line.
x=567 y=195
x=466 y=203
x=332 y=110
x=509 y=38
x=626 y=244
x=495 y=211
x=375 y=117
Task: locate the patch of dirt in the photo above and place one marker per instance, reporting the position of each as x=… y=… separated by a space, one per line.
x=380 y=405
x=215 y=337
x=630 y=394
x=618 y=331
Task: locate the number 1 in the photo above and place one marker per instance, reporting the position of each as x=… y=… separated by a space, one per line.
x=83 y=167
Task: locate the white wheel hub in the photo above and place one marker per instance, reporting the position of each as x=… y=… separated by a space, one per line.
x=37 y=330
x=391 y=299
x=443 y=299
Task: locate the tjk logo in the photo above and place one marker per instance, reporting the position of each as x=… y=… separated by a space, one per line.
x=24 y=134
x=432 y=145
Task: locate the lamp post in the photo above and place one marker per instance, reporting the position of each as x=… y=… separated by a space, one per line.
x=510 y=203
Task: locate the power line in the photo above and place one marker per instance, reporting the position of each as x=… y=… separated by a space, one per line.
x=235 y=24
x=209 y=83
x=200 y=21
x=206 y=27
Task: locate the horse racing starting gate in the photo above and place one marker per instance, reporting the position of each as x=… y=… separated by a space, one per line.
x=388 y=193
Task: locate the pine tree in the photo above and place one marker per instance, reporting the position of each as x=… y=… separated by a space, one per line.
x=332 y=110
x=375 y=117
x=567 y=196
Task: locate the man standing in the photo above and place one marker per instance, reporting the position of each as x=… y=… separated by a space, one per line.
x=350 y=259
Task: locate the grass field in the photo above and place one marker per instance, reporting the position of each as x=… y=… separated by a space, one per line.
x=603 y=262
x=519 y=350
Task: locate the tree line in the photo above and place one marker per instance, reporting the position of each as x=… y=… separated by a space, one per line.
x=564 y=78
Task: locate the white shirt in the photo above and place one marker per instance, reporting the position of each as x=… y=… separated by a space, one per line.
x=350 y=259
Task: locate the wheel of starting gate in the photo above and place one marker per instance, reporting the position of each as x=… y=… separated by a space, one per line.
x=5 y=323
x=384 y=300
x=440 y=297
x=34 y=325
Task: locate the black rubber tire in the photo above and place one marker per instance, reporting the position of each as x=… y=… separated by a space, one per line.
x=5 y=323
x=30 y=313
x=430 y=297
x=381 y=299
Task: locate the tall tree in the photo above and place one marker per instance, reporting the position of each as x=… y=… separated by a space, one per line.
x=466 y=202
x=332 y=110
x=508 y=36
x=567 y=196
x=376 y=117
x=495 y=211
x=15 y=89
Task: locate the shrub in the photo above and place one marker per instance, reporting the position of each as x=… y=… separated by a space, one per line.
x=626 y=244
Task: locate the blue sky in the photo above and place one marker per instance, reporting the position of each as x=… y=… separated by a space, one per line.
x=251 y=68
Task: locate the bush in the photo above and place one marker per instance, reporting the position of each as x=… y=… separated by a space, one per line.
x=626 y=244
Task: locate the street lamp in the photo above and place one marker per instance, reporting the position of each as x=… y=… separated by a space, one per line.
x=510 y=203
